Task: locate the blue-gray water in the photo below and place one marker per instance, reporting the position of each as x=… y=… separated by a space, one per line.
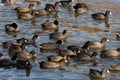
x=87 y=29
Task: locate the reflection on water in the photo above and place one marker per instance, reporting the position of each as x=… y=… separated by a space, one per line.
x=81 y=28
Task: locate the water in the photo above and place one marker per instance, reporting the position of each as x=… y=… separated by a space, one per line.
x=82 y=29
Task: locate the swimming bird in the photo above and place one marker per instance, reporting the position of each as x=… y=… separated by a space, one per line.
x=12 y=27
x=101 y=16
x=24 y=64
x=55 y=58
x=95 y=45
x=66 y=3
x=52 y=65
x=52 y=8
x=74 y=47
x=85 y=57
x=32 y=41
x=8 y=2
x=95 y=74
x=80 y=8
x=23 y=9
x=110 y=53
x=26 y=55
x=15 y=47
x=51 y=45
x=59 y=35
x=27 y=16
x=115 y=67
x=7 y=63
x=50 y=25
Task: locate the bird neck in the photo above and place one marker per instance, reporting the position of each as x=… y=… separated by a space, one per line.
x=106 y=15
x=30 y=7
x=33 y=39
x=103 y=41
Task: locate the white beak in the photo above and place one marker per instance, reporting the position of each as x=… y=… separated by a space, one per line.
x=110 y=13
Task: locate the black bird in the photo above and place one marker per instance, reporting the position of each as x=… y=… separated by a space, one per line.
x=80 y=8
x=101 y=16
x=66 y=3
x=24 y=64
x=51 y=7
x=98 y=74
x=12 y=27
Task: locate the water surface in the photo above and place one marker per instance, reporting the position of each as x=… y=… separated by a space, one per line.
x=81 y=29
